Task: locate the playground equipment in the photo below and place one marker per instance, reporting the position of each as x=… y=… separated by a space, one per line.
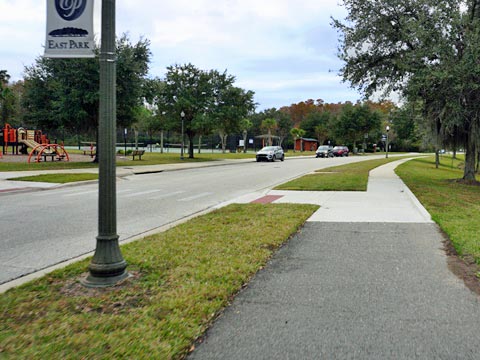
x=54 y=151
x=35 y=140
x=9 y=137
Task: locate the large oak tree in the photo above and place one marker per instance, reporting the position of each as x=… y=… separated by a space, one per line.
x=208 y=99
x=425 y=49
x=64 y=93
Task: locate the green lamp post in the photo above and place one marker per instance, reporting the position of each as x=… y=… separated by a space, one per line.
x=108 y=266
x=386 y=144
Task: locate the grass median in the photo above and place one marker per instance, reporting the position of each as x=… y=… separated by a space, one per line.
x=182 y=279
x=58 y=178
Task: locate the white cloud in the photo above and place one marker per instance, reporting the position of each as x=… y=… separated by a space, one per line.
x=289 y=80
x=272 y=47
x=22 y=28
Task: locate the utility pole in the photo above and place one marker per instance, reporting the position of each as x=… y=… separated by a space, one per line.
x=108 y=266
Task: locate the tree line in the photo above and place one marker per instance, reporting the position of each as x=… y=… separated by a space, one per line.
x=62 y=94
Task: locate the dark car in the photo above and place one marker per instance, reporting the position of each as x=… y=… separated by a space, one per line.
x=340 y=151
x=324 y=151
x=270 y=153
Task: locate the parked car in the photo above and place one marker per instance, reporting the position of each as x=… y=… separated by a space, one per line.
x=324 y=151
x=271 y=153
x=340 y=151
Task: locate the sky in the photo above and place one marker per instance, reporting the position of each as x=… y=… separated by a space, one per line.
x=283 y=50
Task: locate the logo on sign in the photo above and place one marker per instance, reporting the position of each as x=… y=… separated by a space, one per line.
x=70 y=10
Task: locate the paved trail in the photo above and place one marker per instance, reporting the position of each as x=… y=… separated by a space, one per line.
x=363 y=285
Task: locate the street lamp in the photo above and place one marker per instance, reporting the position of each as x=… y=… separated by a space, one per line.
x=125 y=131
x=182 y=115
x=107 y=266
x=161 y=132
x=386 y=147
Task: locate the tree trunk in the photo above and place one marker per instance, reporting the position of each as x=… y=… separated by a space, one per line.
x=223 y=140
x=437 y=159
x=190 y=146
x=135 y=131
x=470 y=155
x=199 y=144
x=97 y=150
x=244 y=141
x=224 y=143
x=161 y=142
x=478 y=161
x=269 y=137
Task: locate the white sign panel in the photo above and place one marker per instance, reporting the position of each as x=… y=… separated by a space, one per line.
x=69 y=29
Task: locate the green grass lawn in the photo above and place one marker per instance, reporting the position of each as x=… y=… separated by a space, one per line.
x=182 y=279
x=454 y=206
x=148 y=158
x=58 y=178
x=185 y=276
x=49 y=165
x=351 y=177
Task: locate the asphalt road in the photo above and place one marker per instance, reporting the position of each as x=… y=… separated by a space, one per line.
x=43 y=228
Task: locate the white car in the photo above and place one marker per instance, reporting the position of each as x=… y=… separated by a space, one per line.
x=271 y=153
x=324 y=151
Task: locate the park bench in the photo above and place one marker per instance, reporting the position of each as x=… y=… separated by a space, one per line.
x=51 y=155
x=138 y=153
x=89 y=151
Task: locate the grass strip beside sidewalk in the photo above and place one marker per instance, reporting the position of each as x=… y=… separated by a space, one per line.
x=453 y=205
x=182 y=279
x=350 y=177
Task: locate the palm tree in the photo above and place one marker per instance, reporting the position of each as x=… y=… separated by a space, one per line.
x=245 y=125
x=269 y=124
x=297 y=133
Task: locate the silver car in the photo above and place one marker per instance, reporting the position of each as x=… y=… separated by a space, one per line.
x=324 y=151
x=271 y=153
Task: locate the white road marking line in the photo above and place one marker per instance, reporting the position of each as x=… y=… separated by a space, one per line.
x=143 y=193
x=167 y=195
x=71 y=192
x=50 y=193
x=196 y=196
x=81 y=193
x=124 y=191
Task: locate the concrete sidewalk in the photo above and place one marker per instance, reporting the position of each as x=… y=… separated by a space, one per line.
x=365 y=278
x=387 y=199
